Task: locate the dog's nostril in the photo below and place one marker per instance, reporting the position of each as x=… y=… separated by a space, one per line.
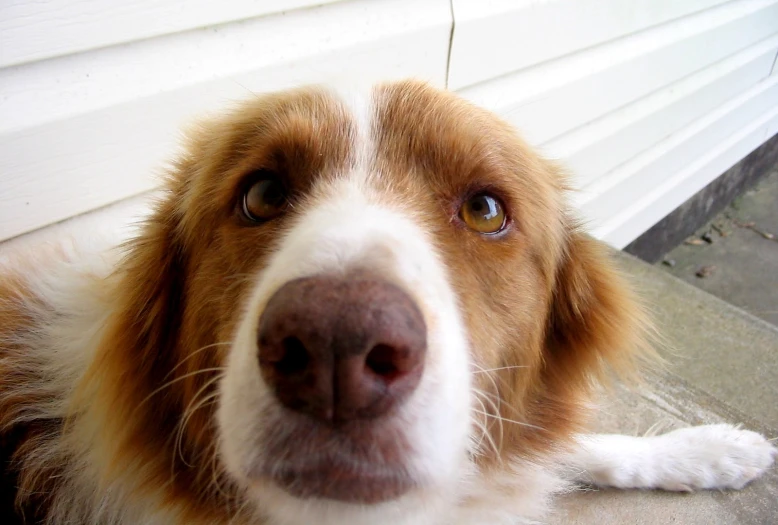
x=382 y=360
x=295 y=357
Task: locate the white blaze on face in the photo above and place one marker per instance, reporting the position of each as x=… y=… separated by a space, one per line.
x=348 y=226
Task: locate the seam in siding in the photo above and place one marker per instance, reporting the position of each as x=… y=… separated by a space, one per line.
x=450 y=42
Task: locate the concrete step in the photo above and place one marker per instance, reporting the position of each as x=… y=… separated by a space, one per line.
x=723 y=367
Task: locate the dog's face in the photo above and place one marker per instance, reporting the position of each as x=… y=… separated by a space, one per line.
x=365 y=303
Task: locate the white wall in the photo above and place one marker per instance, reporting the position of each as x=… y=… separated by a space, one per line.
x=96 y=121
x=646 y=101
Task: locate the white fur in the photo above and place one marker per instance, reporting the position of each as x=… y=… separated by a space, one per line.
x=344 y=232
x=687 y=459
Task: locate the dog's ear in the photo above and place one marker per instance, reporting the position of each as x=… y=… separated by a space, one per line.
x=595 y=324
x=137 y=351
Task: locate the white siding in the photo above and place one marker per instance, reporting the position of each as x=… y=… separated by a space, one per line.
x=497 y=37
x=632 y=96
x=47 y=28
x=646 y=101
x=86 y=129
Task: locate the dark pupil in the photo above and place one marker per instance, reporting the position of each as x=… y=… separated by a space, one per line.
x=485 y=206
x=272 y=193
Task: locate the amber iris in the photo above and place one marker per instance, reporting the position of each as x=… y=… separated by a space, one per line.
x=264 y=199
x=483 y=213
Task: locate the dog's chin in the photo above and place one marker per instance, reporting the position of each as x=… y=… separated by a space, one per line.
x=358 y=462
x=330 y=480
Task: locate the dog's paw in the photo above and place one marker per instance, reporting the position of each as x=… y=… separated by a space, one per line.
x=710 y=457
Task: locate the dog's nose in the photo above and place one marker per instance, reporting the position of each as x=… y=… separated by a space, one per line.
x=341 y=348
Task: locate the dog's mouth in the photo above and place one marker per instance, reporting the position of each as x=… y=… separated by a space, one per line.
x=366 y=484
x=363 y=462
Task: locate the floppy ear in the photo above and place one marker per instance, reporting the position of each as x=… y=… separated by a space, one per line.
x=137 y=348
x=595 y=323
x=135 y=426
x=125 y=421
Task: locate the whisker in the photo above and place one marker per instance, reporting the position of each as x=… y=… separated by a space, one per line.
x=216 y=476
x=494 y=400
x=190 y=356
x=528 y=425
x=494 y=384
x=485 y=430
x=181 y=378
x=503 y=381
x=513 y=409
x=193 y=406
x=487 y=370
x=205 y=401
x=480 y=425
x=479 y=447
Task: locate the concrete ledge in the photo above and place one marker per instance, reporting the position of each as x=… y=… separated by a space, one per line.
x=703 y=205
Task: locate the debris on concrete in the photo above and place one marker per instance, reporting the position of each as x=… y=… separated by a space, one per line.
x=720 y=229
x=752 y=226
x=745 y=252
x=705 y=271
x=694 y=242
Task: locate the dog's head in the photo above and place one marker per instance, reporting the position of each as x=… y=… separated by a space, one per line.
x=353 y=308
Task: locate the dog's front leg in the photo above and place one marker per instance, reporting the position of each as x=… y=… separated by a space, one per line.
x=687 y=459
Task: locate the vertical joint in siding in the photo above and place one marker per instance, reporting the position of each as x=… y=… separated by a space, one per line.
x=773 y=70
x=450 y=41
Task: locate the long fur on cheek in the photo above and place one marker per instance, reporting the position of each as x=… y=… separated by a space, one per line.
x=86 y=412
x=594 y=329
x=136 y=395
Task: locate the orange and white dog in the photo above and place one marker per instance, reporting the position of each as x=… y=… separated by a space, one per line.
x=372 y=310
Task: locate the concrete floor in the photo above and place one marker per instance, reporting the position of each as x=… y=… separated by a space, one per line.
x=722 y=367
x=740 y=263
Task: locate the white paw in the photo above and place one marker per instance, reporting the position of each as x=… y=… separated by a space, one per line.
x=710 y=457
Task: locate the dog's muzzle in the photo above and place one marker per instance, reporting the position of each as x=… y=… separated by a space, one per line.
x=342 y=355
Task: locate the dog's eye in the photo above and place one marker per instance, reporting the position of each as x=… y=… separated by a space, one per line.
x=483 y=213
x=264 y=199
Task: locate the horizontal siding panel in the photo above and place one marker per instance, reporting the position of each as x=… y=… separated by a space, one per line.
x=591 y=151
x=618 y=191
x=100 y=150
x=495 y=37
x=53 y=90
x=555 y=97
x=623 y=228
x=42 y=29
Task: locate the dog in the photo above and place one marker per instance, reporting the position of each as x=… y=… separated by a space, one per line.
x=345 y=309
